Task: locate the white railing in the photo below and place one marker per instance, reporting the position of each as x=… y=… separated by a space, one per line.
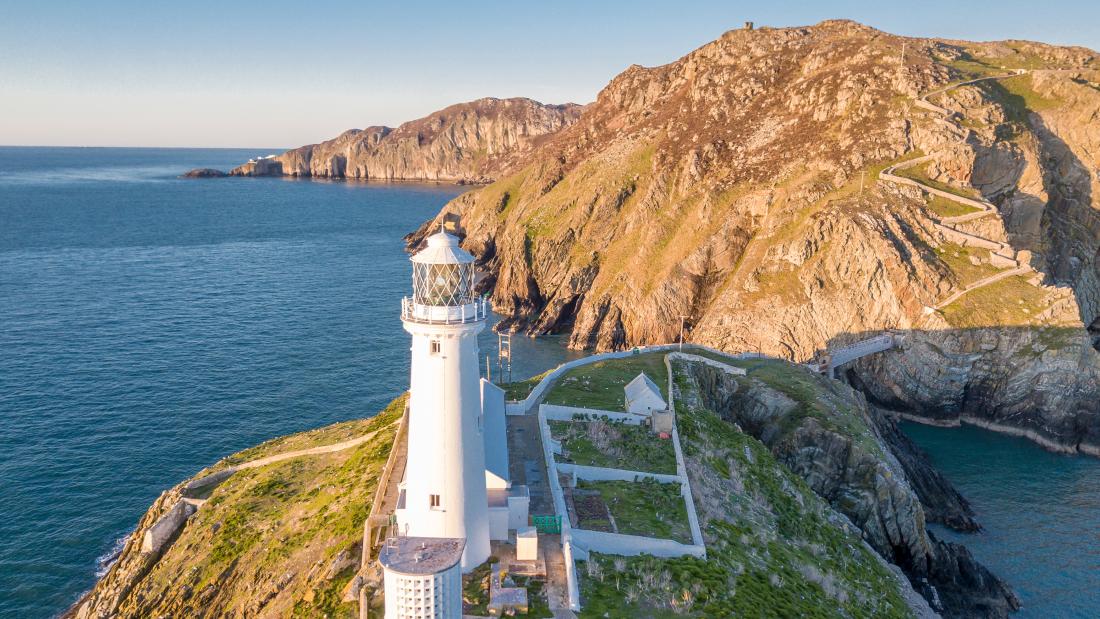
x=476 y=310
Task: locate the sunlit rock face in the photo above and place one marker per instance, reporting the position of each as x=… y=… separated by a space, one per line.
x=473 y=142
x=738 y=186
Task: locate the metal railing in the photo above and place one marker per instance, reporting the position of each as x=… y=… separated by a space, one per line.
x=477 y=310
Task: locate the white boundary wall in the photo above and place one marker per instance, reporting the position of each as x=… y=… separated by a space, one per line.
x=633 y=545
x=553 y=412
x=681 y=468
x=522 y=406
x=597 y=473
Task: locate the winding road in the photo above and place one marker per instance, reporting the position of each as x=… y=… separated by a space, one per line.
x=1005 y=252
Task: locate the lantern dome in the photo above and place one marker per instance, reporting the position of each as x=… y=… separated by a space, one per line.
x=443 y=273
x=442 y=248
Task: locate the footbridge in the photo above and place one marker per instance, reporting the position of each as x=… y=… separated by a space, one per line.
x=836 y=357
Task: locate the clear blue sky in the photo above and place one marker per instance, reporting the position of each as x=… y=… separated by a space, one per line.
x=275 y=74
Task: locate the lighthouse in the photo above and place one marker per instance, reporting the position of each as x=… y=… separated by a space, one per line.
x=444 y=491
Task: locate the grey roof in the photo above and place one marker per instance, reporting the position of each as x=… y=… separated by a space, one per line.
x=421 y=555
x=442 y=248
x=638 y=388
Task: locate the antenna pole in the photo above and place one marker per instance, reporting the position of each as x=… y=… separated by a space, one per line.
x=683 y=318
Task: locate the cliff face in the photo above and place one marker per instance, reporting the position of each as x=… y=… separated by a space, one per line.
x=740 y=187
x=826 y=434
x=471 y=142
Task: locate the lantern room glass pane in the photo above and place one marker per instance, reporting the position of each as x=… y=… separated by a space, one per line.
x=443 y=284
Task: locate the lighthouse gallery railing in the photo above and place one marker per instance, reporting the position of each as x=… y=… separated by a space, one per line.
x=476 y=310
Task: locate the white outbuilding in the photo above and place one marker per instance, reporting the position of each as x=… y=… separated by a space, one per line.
x=643 y=396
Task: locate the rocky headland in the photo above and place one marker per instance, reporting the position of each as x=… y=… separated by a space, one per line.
x=474 y=142
x=804 y=502
x=744 y=187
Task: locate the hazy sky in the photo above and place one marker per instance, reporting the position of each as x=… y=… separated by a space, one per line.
x=281 y=74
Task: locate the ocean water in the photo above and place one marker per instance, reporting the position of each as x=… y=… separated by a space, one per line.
x=150 y=325
x=1040 y=512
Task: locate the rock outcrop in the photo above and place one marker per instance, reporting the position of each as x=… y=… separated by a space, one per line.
x=203 y=173
x=738 y=187
x=825 y=433
x=473 y=142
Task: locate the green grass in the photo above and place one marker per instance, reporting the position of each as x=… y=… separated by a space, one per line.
x=943 y=207
x=614 y=445
x=645 y=507
x=919 y=173
x=328 y=435
x=600 y=385
x=283 y=518
x=475 y=590
x=774 y=550
x=972 y=64
x=957 y=258
x=519 y=390
x=1021 y=94
x=813 y=397
x=1010 y=302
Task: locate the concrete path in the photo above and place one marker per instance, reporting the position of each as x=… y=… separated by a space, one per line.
x=992 y=279
x=985 y=208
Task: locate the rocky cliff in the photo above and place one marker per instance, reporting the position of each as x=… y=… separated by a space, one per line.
x=825 y=433
x=739 y=187
x=473 y=142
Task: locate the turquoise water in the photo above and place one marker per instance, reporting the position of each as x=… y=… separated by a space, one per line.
x=1040 y=511
x=150 y=325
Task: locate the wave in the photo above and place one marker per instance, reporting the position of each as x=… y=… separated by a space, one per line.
x=104 y=561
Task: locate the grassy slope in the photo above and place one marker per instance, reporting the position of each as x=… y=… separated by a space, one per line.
x=957 y=258
x=647 y=508
x=774 y=548
x=1009 y=302
x=628 y=447
x=297 y=521
x=600 y=385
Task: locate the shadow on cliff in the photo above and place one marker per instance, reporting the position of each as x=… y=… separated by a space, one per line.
x=1042 y=383
x=1067 y=183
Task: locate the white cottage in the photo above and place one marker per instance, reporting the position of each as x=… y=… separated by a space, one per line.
x=643 y=396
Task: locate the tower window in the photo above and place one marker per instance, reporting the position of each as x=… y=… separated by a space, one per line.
x=433 y=501
x=435 y=347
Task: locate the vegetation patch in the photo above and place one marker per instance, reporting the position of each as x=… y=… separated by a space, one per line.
x=614 y=444
x=285 y=536
x=813 y=397
x=919 y=173
x=519 y=390
x=646 y=507
x=973 y=63
x=600 y=385
x=943 y=207
x=1012 y=301
x=774 y=548
x=969 y=264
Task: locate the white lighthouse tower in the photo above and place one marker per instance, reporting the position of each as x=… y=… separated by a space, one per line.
x=444 y=490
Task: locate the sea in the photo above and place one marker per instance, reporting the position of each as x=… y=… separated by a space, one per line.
x=150 y=325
